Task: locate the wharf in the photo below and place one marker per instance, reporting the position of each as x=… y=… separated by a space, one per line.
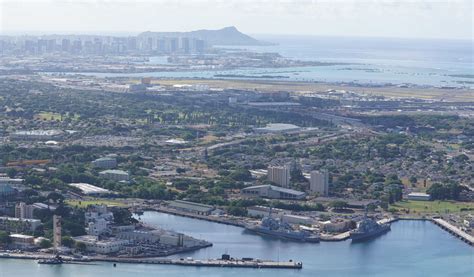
x=347 y=235
x=211 y=263
x=215 y=219
x=246 y=263
x=454 y=230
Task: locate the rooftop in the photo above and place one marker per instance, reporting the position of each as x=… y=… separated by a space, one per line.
x=89 y=189
x=114 y=171
x=278 y=127
x=279 y=189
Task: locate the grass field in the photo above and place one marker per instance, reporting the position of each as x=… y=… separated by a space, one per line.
x=85 y=203
x=48 y=116
x=432 y=206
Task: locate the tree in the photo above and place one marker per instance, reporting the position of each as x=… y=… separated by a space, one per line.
x=11 y=172
x=67 y=241
x=45 y=243
x=237 y=211
x=81 y=246
x=4 y=237
x=338 y=204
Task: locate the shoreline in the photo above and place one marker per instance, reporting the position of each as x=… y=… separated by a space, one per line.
x=335 y=238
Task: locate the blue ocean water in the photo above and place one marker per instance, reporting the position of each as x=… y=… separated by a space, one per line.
x=368 y=61
x=411 y=248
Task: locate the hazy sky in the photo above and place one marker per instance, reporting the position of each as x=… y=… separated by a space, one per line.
x=380 y=18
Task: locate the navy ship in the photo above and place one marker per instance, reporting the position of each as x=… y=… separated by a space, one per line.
x=274 y=227
x=368 y=228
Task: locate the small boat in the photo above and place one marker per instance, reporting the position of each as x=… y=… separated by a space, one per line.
x=55 y=260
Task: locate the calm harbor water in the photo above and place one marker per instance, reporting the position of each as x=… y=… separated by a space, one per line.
x=412 y=248
x=369 y=61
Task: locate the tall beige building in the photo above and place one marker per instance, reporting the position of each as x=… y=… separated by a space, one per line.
x=24 y=211
x=319 y=182
x=279 y=175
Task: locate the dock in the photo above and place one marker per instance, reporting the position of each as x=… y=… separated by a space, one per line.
x=243 y=263
x=347 y=235
x=454 y=230
x=246 y=263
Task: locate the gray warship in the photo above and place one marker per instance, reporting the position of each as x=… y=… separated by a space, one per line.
x=276 y=228
x=368 y=228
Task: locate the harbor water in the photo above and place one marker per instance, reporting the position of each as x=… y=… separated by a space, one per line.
x=363 y=61
x=411 y=248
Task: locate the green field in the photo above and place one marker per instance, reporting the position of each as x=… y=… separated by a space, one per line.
x=431 y=206
x=85 y=203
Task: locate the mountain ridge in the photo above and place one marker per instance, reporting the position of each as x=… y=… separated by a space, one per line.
x=225 y=36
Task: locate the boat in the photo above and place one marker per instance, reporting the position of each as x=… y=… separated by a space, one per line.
x=274 y=227
x=368 y=228
x=55 y=260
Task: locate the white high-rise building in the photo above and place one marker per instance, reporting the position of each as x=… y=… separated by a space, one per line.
x=319 y=182
x=279 y=175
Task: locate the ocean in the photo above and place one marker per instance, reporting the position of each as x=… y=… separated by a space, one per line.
x=362 y=61
x=411 y=248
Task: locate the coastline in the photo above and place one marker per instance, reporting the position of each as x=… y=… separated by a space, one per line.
x=339 y=237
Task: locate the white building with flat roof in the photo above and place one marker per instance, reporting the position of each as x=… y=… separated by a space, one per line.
x=279 y=175
x=14 y=224
x=89 y=189
x=22 y=241
x=419 y=196
x=107 y=246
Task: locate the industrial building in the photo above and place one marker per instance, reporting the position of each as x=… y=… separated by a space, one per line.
x=37 y=135
x=106 y=246
x=273 y=192
x=115 y=175
x=105 y=163
x=279 y=175
x=88 y=189
x=277 y=128
x=262 y=211
x=191 y=207
x=20 y=241
x=419 y=196
x=297 y=219
x=13 y=224
x=319 y=182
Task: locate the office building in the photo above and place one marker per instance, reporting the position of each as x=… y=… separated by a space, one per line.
x=319 y=182
x=279 y=175
x=22 y=210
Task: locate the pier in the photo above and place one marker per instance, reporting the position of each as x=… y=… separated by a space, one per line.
x=454 y=230
x=245 y=262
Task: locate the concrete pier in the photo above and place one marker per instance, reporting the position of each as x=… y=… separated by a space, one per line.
x=454 y=230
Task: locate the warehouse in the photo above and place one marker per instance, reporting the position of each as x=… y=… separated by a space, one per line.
x=272 y=192
x=90 y=189
x=191 y=207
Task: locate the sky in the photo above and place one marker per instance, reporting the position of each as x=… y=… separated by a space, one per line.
x=447 y=19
